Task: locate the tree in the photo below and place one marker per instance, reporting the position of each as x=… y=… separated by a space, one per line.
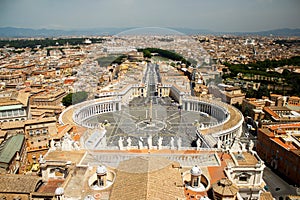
x=263 y=91
x=67 y=100
x=251 y=93
x=147 y=53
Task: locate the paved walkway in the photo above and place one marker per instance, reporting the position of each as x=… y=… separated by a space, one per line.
x=113 y=159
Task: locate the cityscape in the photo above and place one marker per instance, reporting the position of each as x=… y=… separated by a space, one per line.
x=149 y=112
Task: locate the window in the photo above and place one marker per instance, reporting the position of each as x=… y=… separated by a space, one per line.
x=4 y=114
x=30 y=133
x=196 y=181
x=101 y=182
x=16 y=112
x=9 y=113
x=243 y=178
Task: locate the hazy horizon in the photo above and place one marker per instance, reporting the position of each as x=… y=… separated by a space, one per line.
x=214 y=15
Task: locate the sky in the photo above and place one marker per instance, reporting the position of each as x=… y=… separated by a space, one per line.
x=213 y=15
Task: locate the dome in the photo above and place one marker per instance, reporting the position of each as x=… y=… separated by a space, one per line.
x=196 y=171
x=59 y=191
x=101 y=170
x=225 y=187
x=89 y=197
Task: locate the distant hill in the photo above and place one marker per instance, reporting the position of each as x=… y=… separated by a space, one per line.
x=6 y=32
x=275 y=32
x=28 y=32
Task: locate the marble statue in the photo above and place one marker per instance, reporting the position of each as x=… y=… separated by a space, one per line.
x=198 y=144
x=179 y=143
x=149 y=142
x=141 y=143
x=128 y=142
x=243 y=146
x=121 y=143
x=159 y=142
x=41 y=159
x=172 y=143
x=219 y=144
x=250 y=145
x=52 y=145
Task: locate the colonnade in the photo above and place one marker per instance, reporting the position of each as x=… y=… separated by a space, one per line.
x=96 y=108
x=216 y=111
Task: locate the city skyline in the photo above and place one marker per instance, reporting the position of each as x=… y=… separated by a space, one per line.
x=231 y=16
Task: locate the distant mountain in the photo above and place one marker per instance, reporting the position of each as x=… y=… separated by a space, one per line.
x=275 y=32
x=28 y=32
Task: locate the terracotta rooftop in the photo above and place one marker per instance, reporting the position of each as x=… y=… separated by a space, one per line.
x=283 y=126
x=286 y=145
x=17 y=183
x=217 y=172
x=50 y=186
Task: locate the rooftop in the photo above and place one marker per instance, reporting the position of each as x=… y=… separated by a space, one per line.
x=13 y=183
x=155 y=178
x=245 y=159
x=9 y=148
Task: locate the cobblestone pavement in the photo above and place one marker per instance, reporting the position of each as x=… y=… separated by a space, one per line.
x=132 y=121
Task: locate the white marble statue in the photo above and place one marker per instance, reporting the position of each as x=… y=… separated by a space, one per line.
x=66 y=144
x=159 y=142
x=179 y=142
x=243 y=146
x=219 y=144
x=128 y=142
x=76 y=146
x=141 y=143
x=172 y=143
x=121 y=143
x=52 y=145
x=41 y=159
x=198 y=144
x=149 y=142
x=250 y=145
x=201 y=126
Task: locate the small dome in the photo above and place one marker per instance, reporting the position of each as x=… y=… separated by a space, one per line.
x=101 y=170
x=59 y=191
x=89 y=197
x=196 y=171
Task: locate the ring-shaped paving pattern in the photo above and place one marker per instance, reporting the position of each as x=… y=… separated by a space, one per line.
x=168 y=121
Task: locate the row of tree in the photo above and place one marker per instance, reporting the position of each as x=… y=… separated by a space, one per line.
x=164 y=53
x=264 y=68
x=24 y=43
x=267 y=68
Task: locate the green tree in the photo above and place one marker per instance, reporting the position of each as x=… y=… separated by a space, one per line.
x=250 y=93
x=67 y=100
x=263 y=91
x=147 y=53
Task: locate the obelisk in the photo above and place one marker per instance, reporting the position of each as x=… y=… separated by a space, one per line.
x=150 y=112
